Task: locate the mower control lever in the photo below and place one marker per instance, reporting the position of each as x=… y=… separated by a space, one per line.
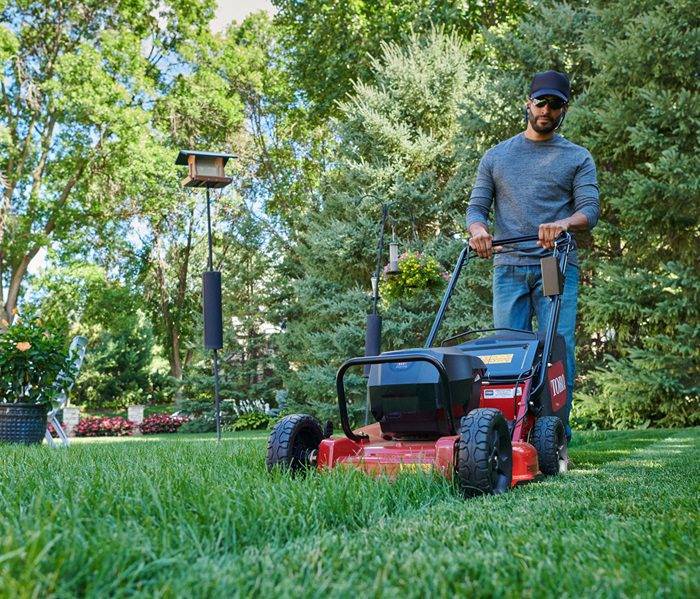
x=388 y=359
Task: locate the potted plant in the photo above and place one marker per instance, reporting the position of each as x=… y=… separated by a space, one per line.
x=30 y=360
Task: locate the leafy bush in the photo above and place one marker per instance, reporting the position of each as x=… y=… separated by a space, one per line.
x=251 y=421
x=194 y=407
x=104 y=427
x=31 y=357
x=204 y=424
x=199 y=386
x=199 y=408
x=115 y=373
x=162 y=423
x=163 y=388
x=417 y=272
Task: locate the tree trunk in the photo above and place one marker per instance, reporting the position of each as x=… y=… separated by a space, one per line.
x=171 y=328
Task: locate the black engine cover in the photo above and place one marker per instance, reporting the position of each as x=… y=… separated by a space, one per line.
x=407 y=398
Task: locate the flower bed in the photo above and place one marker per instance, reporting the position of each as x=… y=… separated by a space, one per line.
x=162 y=423
x=104 y=427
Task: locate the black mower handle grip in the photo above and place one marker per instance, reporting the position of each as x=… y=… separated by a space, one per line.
x=387 y=359
x=563 y=238
x=511 y=240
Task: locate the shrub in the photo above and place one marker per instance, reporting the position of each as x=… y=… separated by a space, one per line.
x=204 y=424
x=162 y=423
x=163 y=388
x=198 y=407
x=194 y=407
x=115 y=373
x=104 y=427
x=250 y=421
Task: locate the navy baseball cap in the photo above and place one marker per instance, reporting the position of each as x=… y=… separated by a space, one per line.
x=550 y=83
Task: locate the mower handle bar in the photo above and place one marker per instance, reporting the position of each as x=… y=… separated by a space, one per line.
x=387 y=359
x=564 y=240
x=512 y=240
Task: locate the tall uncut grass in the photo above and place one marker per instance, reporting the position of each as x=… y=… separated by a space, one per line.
x=184 y=516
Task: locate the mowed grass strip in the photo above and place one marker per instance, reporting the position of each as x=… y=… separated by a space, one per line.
x=183 y=515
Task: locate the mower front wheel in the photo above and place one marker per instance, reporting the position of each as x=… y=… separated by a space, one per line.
x=293 y=443
x=485 y=454
x=549 y=439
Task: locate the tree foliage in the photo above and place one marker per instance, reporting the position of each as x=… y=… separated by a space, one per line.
x=640 y=117
x=334 y=109
x=81 y=299
x=75 y=103
x=331 y=44
x=633 y=310
x=398 y=143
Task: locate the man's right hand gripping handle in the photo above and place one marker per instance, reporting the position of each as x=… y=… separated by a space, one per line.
x=481 y=240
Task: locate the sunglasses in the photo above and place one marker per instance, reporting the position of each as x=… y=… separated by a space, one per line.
x=554 y=103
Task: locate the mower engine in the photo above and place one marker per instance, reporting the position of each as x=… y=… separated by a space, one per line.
x=511 y=358
x=408 y=399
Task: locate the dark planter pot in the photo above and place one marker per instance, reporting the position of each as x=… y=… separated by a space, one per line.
x=22 y=422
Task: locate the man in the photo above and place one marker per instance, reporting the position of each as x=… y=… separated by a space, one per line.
x=539 y=184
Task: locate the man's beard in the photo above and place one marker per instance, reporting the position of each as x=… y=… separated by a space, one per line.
x=550 y=126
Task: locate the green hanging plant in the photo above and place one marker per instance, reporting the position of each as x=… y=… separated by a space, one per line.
x=417 y=273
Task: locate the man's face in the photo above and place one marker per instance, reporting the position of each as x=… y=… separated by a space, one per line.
x=544 y=119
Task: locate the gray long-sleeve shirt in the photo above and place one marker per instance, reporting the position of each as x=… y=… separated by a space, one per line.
x=530 y=183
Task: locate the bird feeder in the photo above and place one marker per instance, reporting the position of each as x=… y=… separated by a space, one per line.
x=393 y=266
x=205 y=169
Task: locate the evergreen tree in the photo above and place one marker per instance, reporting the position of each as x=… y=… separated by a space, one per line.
x=413 y=137
x=397 y=143
x=640 y=118
x=248 y=366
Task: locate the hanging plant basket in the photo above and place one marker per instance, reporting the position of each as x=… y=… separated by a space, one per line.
x=412 y=274
x=22 y=422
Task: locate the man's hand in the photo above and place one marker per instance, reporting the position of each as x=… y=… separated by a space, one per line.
x=481 y=240
x=548 y=232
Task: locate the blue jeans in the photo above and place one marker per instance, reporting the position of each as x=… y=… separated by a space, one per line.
x=517 y=297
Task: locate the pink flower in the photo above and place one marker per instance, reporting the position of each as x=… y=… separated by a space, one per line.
x=23 y=345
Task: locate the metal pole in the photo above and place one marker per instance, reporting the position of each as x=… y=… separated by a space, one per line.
x=217 y=398
x=378 y=268
x=210 y=262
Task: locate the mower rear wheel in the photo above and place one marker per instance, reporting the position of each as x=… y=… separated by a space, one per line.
x=293 y=443
x=549 y=439
x=484 y=454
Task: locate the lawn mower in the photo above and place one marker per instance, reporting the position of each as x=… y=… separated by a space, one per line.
x=485 y=408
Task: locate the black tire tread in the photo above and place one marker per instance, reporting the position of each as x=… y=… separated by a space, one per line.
x=281 y=439
x=544 y=438
x=473 y=451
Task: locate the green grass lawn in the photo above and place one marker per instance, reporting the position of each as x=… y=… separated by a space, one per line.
x=180 y=516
